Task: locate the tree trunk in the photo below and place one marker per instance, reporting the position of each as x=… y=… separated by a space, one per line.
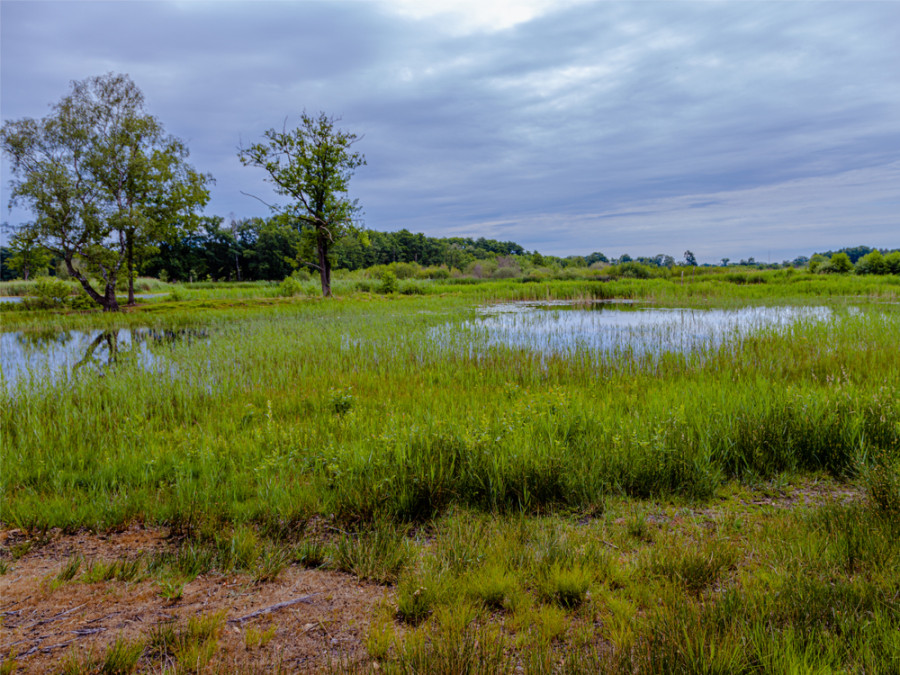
x=108 y=300
x=130 y=271
x=324 y=266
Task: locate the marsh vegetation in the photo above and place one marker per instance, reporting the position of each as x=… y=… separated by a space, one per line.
x=688 y=500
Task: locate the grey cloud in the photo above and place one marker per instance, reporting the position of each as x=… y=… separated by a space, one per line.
x=532 y=132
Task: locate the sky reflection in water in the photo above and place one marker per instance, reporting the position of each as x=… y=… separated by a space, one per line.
x=610 y=328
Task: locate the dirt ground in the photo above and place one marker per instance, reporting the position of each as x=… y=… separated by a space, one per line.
x=42 y=626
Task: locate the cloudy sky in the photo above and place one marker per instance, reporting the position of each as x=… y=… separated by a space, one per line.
x=742 y=128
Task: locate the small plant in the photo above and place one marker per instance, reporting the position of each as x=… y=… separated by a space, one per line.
x=495 y=587
x=120 y=659
x=414 y=602
x=255 y=637
x=118 y=570
x=19 y=550
x=171 y=590
x=241 y=550
x=5 y=566
x=882 y=483
x=695 y=566
x=269 y=565
x=311 y=554
x=290 y=287
x=379 y=554
x=340 y=401
x=191 y=561
x=69 y=569
x=191 y=646
x=565 y=586
x=380 y=635
x=636 y=526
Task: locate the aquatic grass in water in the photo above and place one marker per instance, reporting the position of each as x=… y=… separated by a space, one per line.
x=249 y=431
x=518 y=472
x=60 y=355
x=616 y=330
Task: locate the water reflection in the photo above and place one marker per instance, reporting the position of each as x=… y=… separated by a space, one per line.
x=43 y=354
x=608 y=329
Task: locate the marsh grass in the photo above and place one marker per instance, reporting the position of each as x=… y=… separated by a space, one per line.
x=540 y=492
x=379 y=554
x=121 y=658
x=187 y=646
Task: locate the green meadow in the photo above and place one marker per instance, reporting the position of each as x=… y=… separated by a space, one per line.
x=732 y=509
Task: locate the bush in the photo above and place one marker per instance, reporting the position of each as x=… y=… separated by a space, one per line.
x=505 y=273
x=872 y=263
x=82 y=301
x=838 y=264
x=892 y=262
x=48 y=293
x=434 y=273
x=632 y=270
x=388 y=282
x=290 y=287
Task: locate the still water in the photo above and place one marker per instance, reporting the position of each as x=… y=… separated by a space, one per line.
x=606 y=329
x=24 y=355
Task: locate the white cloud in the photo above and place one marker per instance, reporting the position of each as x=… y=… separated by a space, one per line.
x=469 y=16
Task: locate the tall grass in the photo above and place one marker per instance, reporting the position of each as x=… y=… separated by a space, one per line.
x=390 y=416
x=243 y=426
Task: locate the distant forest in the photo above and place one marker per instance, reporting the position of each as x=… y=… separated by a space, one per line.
x=272 y=249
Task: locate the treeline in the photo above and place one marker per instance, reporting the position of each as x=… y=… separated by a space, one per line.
x=258 y=249
x=271 y=249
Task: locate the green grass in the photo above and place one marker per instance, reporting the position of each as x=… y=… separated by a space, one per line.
x=563 y=500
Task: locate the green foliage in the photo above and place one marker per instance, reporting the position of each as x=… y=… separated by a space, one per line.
x=882 y=480
x=815 y=262
x=190 y=645
x=695 y=565
x=290 y=287
x=121 y=658
x=102 y=179
x=379 y=554
x=388 y=282
x=311 y=166
x=28 y=258
x=892 y=262
x=871 y=263
x=48 y=293
x=839 y=263
x=564 y=585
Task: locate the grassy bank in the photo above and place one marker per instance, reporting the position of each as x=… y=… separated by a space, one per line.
x=580 y=514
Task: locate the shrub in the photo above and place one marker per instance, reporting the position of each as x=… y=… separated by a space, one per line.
x=633 y=270
x=48 y=293
x=290 y=287
x=838 y=264
x=872 y=263
x=892 y=262
x=388 y=283
x=505 y=273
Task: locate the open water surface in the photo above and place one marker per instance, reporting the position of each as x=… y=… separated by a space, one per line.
x=610 y=328
x=24 y=355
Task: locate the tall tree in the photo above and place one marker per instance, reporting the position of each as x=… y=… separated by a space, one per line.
x=102 y=178
x=28 y=256
x=312 y=166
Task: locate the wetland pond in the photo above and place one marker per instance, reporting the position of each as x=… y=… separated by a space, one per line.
x=24 y=355
x=599 y=330
x=607 y=329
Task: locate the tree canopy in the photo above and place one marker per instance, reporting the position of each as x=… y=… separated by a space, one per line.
x=312 y=166
x=102 y=179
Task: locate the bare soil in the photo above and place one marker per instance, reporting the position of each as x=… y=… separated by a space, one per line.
x=43 y=623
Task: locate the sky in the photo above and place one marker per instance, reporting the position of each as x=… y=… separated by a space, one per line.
x=765 y=129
